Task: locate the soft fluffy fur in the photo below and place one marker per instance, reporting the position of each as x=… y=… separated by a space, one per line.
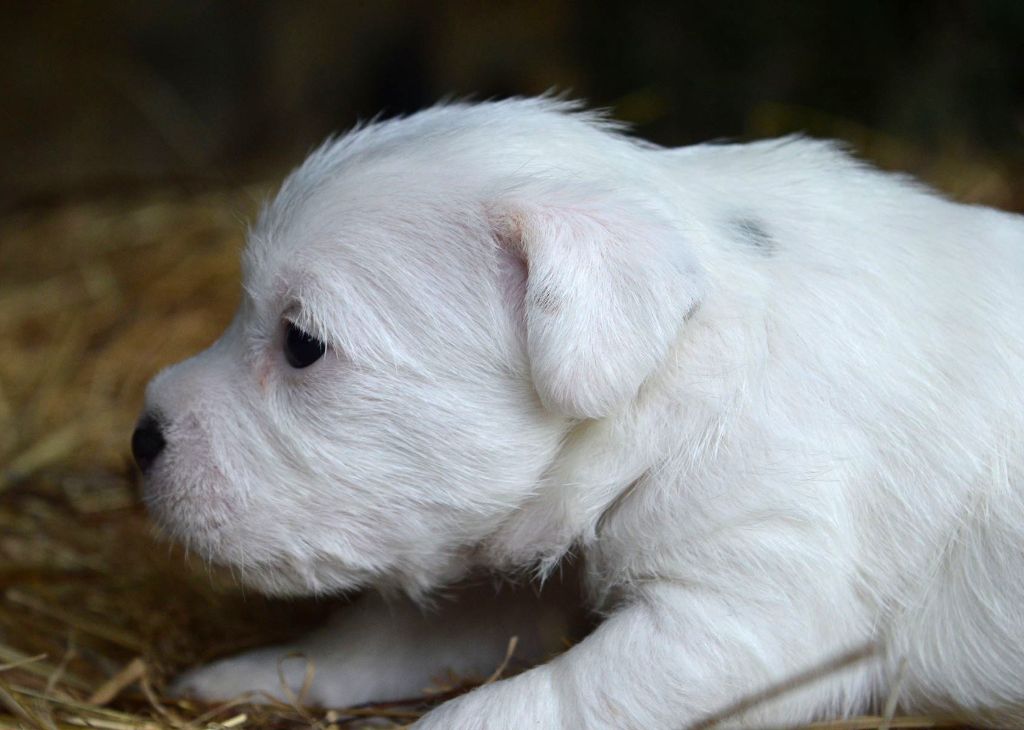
x=773 y=399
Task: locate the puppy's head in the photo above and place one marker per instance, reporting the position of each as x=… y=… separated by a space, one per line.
x=429 y=306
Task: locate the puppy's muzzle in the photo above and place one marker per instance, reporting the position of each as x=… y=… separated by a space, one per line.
x=147 y=441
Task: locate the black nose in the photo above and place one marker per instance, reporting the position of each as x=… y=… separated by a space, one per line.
x=147 y=442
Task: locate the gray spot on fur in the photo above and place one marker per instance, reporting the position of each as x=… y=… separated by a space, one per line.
x=546 y=299
x=752 y=232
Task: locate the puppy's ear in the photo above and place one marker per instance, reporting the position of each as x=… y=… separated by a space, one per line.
x=609 y=281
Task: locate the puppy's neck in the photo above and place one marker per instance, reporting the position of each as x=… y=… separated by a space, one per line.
x=595 y=469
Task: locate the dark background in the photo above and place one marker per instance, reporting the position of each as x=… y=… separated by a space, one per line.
x=111 y=96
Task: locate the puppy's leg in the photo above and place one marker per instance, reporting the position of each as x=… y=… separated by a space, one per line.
x=671 y=658
x=381 y=650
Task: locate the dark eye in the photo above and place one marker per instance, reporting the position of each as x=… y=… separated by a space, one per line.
x=301 y=349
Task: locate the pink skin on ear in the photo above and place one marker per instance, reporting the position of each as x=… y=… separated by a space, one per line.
x=604 y=285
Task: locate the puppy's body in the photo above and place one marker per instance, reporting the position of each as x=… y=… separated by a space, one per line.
x=773 y=397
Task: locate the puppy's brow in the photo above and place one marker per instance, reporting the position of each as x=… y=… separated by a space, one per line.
x=752 y=232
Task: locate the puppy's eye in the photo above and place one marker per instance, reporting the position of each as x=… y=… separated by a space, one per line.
x=302 y=349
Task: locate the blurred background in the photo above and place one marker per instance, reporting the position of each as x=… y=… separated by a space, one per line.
x=138 y=139
x=102 y=96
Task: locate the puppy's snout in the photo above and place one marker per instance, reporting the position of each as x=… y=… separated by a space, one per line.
x=147 y=441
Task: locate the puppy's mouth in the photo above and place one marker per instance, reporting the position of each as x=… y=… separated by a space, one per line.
x=198 y=516
x=199 y=497
x=178 y=519
x=192 y=504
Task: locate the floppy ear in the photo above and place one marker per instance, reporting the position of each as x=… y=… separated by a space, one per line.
x=609 y=282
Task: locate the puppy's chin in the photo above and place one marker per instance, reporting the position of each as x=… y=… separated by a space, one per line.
x=282 y=576
x=215 y=530
x=287 y=580
x=192 y=513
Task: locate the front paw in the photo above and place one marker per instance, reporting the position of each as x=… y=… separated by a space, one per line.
x=512 y=704
x=263 y=675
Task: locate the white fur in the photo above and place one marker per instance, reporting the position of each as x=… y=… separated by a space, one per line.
x=773 y=399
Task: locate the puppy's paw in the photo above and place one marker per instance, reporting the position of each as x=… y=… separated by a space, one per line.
x=262 y=674
x=524 y=701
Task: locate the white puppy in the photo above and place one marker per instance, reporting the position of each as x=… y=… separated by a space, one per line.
x=772 y=398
